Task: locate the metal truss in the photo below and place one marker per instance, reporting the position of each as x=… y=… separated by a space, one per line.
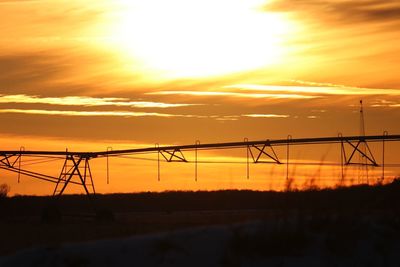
x=174 y=155
x=262 y=150
x=75 y=169
x=170 y=155
x=257 y=152
x=9 y=161
x=367 y=154
x=366 y=158
x=12 y=162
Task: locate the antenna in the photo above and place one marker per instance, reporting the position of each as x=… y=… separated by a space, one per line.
x=362 y=122
x=363 y=148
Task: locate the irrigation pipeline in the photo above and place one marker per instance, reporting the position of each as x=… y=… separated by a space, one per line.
x=76 y=169
x=211 y=146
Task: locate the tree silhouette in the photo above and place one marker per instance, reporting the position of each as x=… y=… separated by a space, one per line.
x=4 y=189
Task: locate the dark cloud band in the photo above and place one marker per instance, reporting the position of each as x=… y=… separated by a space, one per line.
x=342 y=12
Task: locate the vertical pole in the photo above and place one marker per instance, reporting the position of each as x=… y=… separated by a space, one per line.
x=385 y=133
x=108 y=172
x=90 y=176
x=65 y=167
x=158 y=163
x=289 y=138
x=85 y=170
x=19 y=168
x=195 y=161
x=79 y=174
x=247 y=159
x=341 y=158
x=19 y=162
x=108 y=168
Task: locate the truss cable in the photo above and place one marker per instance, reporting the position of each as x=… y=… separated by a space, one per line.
x=39 y=162
x=42 y=158
x=135 y=158
x=241 y=162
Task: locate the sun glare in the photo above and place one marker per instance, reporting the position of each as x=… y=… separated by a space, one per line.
x=181 y=38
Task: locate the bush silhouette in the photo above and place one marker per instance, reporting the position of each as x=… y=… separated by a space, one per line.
x=4 y=190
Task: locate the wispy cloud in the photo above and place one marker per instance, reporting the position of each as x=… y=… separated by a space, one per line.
x=226 y=118
x=385 y=103
x=312 y=117
x=94 y=113
x=234 y=94
x=3 y=2
x=309 y=83
x=297 y=90
x=79 y=113
x=317 y=89
x=266 y=115
x=318 y=110
x=86 y=101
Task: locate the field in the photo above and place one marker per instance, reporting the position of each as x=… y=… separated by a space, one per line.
x=342 y=217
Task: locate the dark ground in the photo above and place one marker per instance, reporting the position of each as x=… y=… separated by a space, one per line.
x=28 y=221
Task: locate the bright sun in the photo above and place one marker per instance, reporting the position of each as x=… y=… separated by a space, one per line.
x=182 y=38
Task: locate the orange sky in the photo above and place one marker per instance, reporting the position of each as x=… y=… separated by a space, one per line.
x=129 y=73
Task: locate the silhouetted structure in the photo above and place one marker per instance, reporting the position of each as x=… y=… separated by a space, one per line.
x=76 y=168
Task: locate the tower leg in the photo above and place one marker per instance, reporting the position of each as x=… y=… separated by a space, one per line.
x=73 y=172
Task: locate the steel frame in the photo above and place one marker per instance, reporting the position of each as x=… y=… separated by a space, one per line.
x=174 y=155
x=76 y=169
x=72 y=168
x=9 y=161
x=356 y=148
x=262 y=151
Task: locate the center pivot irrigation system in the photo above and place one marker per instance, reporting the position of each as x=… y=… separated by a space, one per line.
x=76 y=167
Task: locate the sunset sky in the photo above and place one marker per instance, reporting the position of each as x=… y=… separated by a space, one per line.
x=88 y=75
